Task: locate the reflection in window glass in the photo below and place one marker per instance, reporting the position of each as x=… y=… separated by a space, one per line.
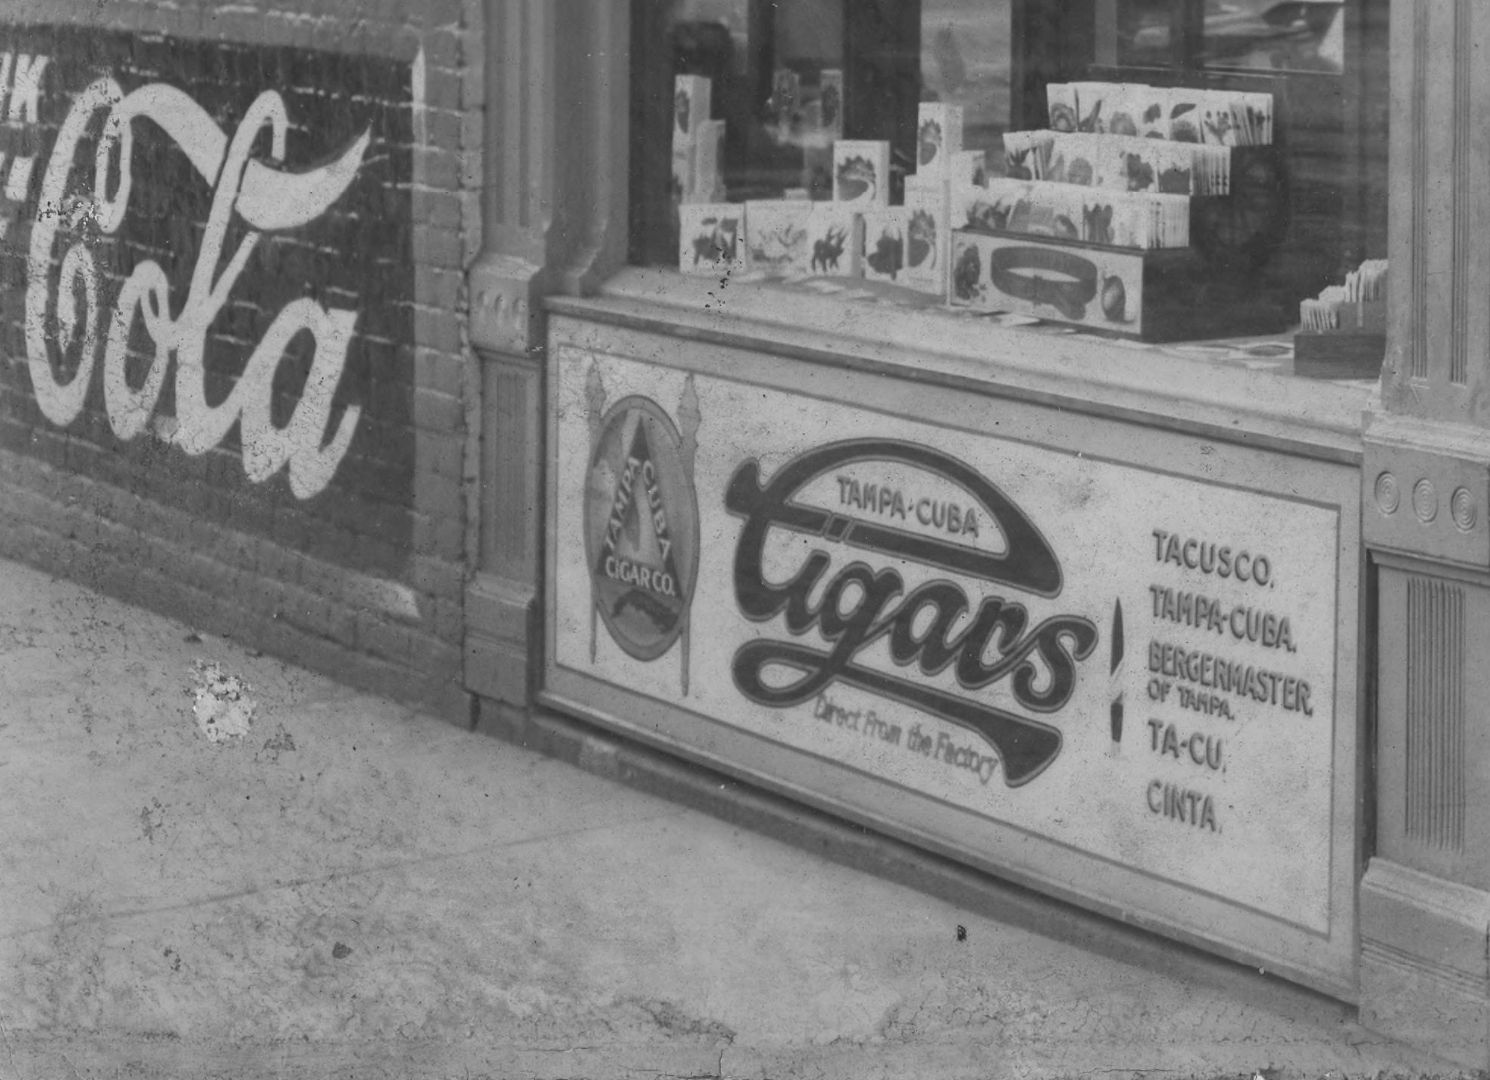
x=1254 y=35
x=1145 y=33
x=788 y=79
x=965 y=60
x=1292 y=35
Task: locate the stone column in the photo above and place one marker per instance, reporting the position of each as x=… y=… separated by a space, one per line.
x=554 y=220
x=1425 y=897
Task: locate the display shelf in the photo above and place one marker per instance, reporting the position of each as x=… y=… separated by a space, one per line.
x=1236 y=390
x=1339 y=355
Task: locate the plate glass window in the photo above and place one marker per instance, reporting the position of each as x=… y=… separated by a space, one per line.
x=884 y=141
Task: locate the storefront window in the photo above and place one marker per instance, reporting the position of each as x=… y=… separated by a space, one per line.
x=1159 y=169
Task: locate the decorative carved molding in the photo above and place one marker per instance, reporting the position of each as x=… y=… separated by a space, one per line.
x=1462 y=201
x=1418 y=259
x=594 y=143
x=556 y=161
x=502 y=628
x=1438 y=364
x=554 y=220
x=507 y=280
x=520 y=112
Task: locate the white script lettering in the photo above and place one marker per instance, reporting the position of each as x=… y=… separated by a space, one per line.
x=266 y=198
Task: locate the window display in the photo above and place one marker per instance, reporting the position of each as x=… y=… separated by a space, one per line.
x=1343 y=330
x=1162 y=169
x=1126 y=166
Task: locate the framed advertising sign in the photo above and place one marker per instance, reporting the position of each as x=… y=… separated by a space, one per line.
x=1037 y=647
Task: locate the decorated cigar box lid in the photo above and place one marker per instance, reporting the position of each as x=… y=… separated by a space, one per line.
x=861 y=172
x=711 y=237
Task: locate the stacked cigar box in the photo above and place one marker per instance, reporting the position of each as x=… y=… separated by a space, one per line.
x=711 y=231
x=1097 y=218
x=1343 y=331
x=857 y=232
x=791 y=236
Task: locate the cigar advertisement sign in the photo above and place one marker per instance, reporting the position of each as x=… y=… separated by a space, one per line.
x=1131 y=668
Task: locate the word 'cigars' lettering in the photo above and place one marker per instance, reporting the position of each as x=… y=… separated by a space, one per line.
x=267 y=199
x=860 y=605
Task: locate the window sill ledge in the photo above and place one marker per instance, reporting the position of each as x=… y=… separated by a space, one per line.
x=1190 y=388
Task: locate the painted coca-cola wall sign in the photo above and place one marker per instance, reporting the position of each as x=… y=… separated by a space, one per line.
x=208 y=253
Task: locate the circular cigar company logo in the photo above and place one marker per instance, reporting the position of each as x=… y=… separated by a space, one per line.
x=641 y=527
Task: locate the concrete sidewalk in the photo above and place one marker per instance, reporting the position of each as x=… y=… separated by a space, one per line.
x=352 y=889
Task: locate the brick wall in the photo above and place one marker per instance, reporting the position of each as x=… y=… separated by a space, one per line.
x=234 y=383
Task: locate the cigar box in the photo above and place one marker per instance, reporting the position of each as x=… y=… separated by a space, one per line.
x=882 y=243
x=861 y=172
x=938 y=137
x=928 y=233
x=833 y=243
x=776 y=233
x=711 y=238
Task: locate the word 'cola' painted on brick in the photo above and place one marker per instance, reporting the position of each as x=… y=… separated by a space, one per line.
x=224 y=245
x=267 y=199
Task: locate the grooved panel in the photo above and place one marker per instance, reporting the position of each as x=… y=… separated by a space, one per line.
x=520 y=34
x=512 y=468
x=1440 y=339
x=1419 y=266
x=1434 y=804
x=1463 y=200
